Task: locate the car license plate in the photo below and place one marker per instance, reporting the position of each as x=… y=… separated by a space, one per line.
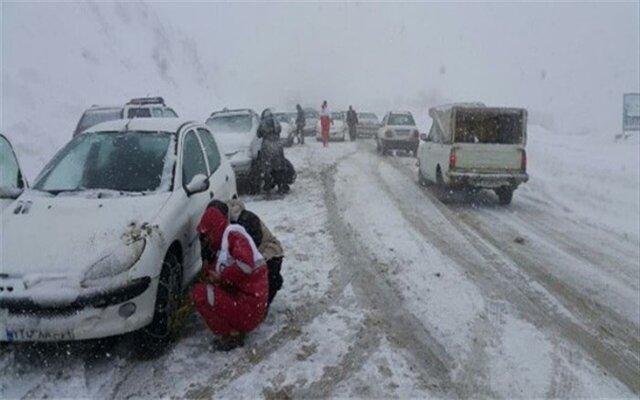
x=40 y=335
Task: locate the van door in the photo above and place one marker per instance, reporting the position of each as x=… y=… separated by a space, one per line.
x=12 y=182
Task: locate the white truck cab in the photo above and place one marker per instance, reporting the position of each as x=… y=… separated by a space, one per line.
x=470 y=145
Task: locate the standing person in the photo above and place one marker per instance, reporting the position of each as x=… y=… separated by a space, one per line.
x=300 y=123
x=272 y=160
x=325 y=123
x=232 y=300
x=268 y=245
x=352 y=122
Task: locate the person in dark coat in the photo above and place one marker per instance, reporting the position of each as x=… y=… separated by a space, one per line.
x=273 y=164
x=300 y=123
x=352 y=122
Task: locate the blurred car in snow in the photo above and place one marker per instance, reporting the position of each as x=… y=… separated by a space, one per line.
x=236 y=131
x=148 y=107
x=287 y=128
x=368 y=124
x=338 y=130
x=311 y=118
x=397 y=131
x=95 y=115
x=12 y=182
x=474 y=146
x=105 y=241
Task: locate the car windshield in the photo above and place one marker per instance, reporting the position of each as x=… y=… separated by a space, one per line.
x=367 y=116
x=401 y=119
x=126 y=162
x=489 y=127
x=281 y=117
x=230 y=123
x=94 y=117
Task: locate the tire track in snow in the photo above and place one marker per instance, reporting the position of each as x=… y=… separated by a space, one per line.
x=619 y=362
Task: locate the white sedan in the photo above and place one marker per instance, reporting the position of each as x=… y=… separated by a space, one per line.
x=105 y=240
x=338 y=129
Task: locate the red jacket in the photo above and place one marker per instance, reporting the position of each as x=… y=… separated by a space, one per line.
x=238 y=302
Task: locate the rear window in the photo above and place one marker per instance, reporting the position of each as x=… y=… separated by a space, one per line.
x=239 y=123
x=94 y=117
x=368 y=116
x=401 y=119
x=139 y=113
x=489 y=127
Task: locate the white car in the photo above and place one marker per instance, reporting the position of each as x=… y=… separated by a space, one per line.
x=338 y=130
x=474 y=146
x=105 y=241
x=237 y=133
x=12 y=182
x=398 y=131
x=148 y=107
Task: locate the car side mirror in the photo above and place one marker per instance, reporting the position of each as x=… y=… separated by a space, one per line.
x=424 y=137
x=7 y=192
x=198 y=184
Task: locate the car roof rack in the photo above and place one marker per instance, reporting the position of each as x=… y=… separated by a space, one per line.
x=147 y=100
x=226 y=110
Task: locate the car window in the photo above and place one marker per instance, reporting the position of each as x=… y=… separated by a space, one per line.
x=211 y=148
x=94 y=117
x=230 y=124
x=156 y=112
x=401 y=119
x=139 y=113
x=193 y=162
x=169 y=113
x=9 y=170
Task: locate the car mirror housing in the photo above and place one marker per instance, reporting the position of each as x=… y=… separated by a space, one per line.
x=7 y=192
x=198 y=184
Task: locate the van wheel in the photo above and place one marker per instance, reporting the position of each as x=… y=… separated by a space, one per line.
x=163 y=328
x=505 y=195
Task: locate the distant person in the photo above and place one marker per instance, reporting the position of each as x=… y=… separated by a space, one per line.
x=325 y=123
x=268 y=245
x=273 y=164
x=233 y=297
x=352 y=122
x=300 y=123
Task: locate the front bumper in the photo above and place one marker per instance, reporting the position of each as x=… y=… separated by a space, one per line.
x=400 y=144
x=91 y=316
x=486 y=180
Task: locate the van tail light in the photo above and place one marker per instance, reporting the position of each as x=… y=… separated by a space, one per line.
x=523 y=162
x=388 y=133
x=452 y=159
x=416 y=134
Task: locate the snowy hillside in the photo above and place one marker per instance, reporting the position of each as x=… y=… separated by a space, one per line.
x=107 y=55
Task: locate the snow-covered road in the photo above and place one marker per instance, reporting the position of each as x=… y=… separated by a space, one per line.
x=395 y=290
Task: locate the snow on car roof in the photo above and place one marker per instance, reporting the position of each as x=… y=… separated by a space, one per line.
x=141 y=124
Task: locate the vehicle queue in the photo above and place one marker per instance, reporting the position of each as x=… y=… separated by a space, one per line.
x=144 y=223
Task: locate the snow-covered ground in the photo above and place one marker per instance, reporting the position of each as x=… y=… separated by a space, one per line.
x=394 y=290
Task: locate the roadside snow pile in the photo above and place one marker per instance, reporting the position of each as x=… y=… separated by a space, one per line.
x=593 y=177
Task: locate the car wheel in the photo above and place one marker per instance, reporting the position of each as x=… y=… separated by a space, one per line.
x=164 y=327
x=505 y=195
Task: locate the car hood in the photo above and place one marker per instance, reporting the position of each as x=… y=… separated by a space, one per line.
x=64 y=235
x=233 y=142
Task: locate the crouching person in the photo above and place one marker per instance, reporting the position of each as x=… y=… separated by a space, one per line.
x=232 y=298
x=267 y=243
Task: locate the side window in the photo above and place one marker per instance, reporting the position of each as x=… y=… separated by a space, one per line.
x=193 y=162
x=9 y=171
x=169 y=113
x=138 y=113
x=211 y=148
x=156 y=112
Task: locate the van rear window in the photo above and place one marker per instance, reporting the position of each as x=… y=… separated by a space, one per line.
x=480 y=126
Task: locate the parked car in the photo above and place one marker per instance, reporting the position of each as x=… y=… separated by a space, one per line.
x=95 y=115
x=398 y=131
x=236 y=130
x=474 y=146
x=311 y=118
x=148 y=107
x=368 y=124
x=12 y=182
x=287 y=126
x=112 y=219
x=338 y=130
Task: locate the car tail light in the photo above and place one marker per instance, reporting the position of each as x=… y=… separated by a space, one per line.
x=416 y=134
x=452 y=159
x=523 y=162
x=388 y=133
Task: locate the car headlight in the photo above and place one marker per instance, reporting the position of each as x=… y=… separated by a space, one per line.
x=113 y=262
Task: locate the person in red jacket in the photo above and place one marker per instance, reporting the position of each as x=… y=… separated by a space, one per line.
x=232 y=300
